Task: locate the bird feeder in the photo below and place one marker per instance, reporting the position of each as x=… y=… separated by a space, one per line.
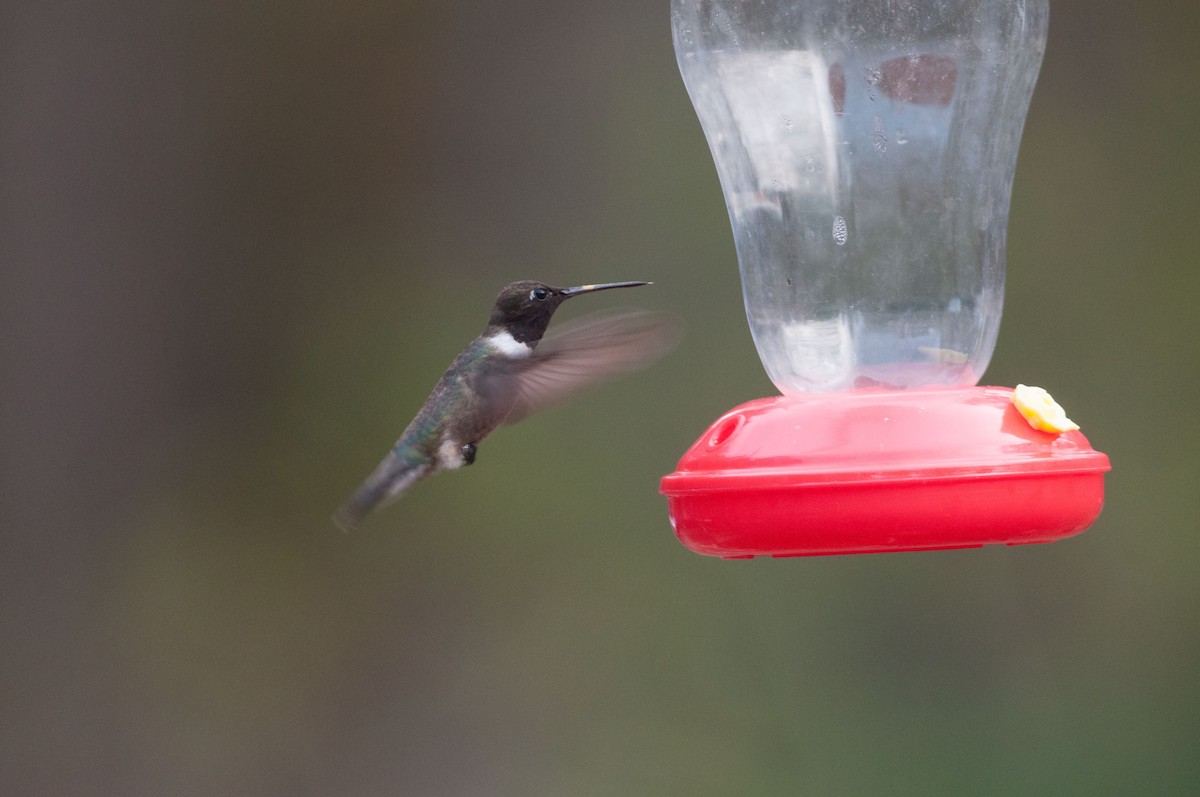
x=866 y=151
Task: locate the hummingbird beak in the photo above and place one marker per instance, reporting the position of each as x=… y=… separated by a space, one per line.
x=602 y=287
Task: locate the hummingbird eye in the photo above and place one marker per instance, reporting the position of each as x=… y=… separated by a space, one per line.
x=539 y=294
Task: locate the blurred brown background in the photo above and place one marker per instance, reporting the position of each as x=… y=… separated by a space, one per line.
x=239 y=242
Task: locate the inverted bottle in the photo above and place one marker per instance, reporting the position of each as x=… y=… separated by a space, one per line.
x=866 y=152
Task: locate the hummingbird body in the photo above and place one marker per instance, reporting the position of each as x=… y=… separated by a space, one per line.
x=504 y=375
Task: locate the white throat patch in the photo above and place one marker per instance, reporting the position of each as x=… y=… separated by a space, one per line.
x=450 y=456
x=509 y=346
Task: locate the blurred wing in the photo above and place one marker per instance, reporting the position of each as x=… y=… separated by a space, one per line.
x=587 y=351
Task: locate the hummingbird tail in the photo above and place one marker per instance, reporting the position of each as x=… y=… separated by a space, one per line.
x=387 y=483
x=351 y=513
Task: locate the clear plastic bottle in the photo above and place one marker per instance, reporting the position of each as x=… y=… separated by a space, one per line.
x=866 y=150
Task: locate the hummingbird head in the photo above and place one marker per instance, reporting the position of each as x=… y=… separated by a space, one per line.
x=523 y=309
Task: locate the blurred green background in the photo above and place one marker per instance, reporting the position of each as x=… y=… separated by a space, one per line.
x=241 y=240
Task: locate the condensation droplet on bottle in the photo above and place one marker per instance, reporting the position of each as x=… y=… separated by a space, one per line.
x=840 y=231
x=787 y=121
x=873 y=77
x=726 y=24
x=878 y=137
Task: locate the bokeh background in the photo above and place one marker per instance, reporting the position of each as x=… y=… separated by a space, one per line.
x=239 y=242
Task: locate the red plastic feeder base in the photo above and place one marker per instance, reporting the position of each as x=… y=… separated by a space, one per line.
x=876 y=471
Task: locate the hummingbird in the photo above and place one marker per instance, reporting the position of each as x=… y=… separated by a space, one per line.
x=513 y=369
